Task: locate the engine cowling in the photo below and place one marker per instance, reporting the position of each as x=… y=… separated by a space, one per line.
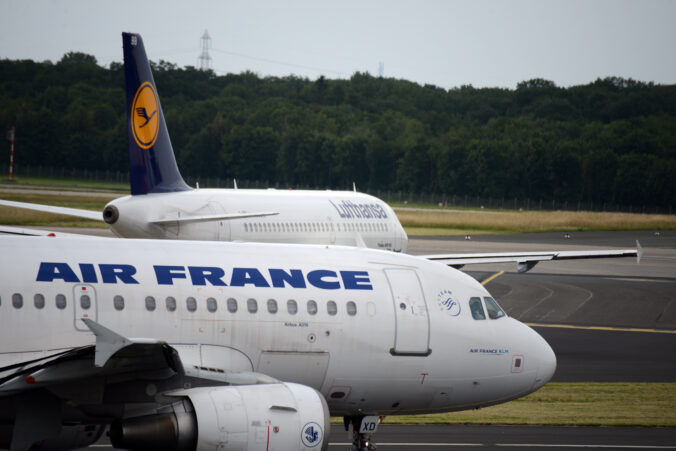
x=282 y=416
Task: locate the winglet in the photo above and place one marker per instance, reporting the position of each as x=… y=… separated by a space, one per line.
x=359 y=241
x=107 y=342
x=639 y=252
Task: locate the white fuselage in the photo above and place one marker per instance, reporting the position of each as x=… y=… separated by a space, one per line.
x=306 y=217
x=375 y=332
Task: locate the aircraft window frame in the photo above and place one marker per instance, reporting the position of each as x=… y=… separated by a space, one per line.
x=17 y=300
x=232 y=305
x=39 y=301
x=212 y=305
x=272 y=306
x=351 y=307
x=331 y=308
x=246 y=227
x=170 y=304
x=118 y=302
x=85 y=302
x=60 y=301
x=498 y=313
x=151 y=305
x=312 y=307
x=478 y=313
x=191 y=304
x=252 y=305
x=291 y=307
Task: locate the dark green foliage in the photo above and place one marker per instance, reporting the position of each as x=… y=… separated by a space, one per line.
x=611 y=141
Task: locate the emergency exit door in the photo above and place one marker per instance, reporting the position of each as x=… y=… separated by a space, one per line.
x=412 y=324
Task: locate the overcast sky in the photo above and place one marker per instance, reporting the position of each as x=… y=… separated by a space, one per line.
x=445 y=43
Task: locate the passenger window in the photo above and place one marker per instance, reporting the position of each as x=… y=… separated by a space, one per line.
x=476 y=308
x=351 y=308
x=39 y=301
x=252 y=305
x=150 y=303
x=170 y=303
x=493 y=309
x=85 y=302
x=212 y=306
x=191 y=304
x=17 y=300
x=272 y=306
x=232 y=305
x=312 y=307
x=60 y=301
x=291 y=307
x=331 y=308
x=118 y=303
x=246 y=227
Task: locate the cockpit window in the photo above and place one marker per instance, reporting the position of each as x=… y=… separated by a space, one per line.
x=493 y=309
x=477 y=308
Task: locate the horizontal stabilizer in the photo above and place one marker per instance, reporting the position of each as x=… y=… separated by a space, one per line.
x=87 y=214
x=219 y=217
x=527 y=260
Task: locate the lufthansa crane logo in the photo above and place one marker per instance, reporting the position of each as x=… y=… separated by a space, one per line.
x=145 y=121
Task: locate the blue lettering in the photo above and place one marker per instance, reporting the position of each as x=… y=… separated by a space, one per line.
x=166 y=274
x=356 y=280
x=349 y=209
x=88 y=273
x=316 y=278
x=49 y=271
x=244 y=276
x=110 y=273
x=294 y=278
x=201 y=274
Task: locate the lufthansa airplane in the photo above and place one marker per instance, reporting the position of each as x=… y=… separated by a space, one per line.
x=189 y=345
x=161 y=205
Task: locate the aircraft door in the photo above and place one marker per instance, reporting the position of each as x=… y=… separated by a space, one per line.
x=412 y=325
x=84 y=300
x=332 y=230
x=397 y=237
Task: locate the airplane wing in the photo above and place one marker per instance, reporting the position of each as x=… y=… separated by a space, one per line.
x=8 y=230
x=87 y=214
x=525 y=261
x=112 y=354
x=218 y=217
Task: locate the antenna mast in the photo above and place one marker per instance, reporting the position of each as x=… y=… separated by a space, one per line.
x=204 y=58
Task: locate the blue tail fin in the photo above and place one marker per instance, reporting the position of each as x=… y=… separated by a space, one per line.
x=152 y=162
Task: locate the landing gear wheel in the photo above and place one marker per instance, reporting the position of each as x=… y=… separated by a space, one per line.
x=363 y=427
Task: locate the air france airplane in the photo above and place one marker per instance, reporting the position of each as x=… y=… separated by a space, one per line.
x=162 y=205
x=242 y=346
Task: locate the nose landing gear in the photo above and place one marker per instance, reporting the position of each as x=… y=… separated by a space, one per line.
x=363 y=427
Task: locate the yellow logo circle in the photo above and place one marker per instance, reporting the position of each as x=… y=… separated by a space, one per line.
x=145 y=116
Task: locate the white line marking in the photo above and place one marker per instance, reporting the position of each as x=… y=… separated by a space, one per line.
x=514 y=445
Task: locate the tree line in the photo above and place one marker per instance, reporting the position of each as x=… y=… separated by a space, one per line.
x=612 y=140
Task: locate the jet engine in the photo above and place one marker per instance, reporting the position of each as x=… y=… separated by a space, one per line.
x=263 y=417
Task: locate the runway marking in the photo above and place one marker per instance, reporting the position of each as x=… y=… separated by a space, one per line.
x=606 y=328
x=514 y=445
x=496 y=275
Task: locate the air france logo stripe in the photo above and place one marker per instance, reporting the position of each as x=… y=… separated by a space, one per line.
x=324 y=279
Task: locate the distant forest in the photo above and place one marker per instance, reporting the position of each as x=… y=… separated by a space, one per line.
x=613 y=140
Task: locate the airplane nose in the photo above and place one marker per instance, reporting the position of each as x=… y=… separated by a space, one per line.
x=546 y=364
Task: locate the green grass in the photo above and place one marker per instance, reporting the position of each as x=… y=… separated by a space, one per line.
x=445 y=223
x=31 y=182
x=572 y=404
